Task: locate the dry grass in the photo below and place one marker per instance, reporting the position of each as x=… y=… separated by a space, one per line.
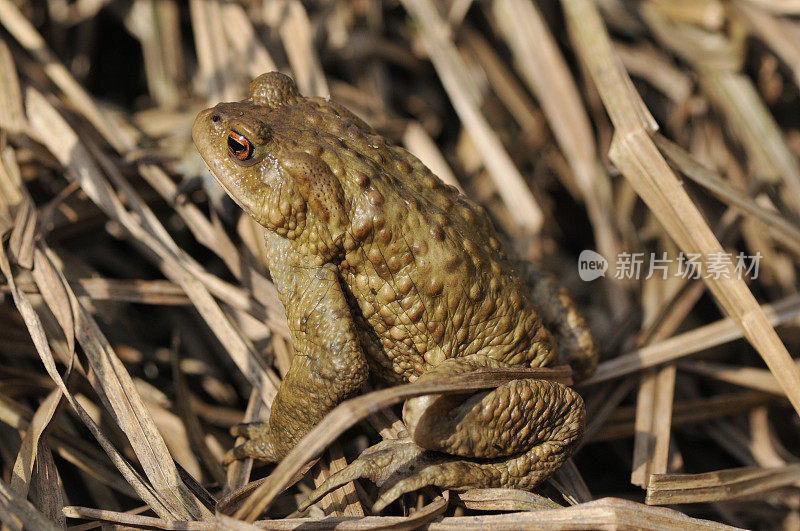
x=138 y=321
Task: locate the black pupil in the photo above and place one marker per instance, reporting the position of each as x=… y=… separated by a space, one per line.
x=235 y=145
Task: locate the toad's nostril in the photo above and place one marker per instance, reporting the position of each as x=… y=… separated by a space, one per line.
x=215 y=117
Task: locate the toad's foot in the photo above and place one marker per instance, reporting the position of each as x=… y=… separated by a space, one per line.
x=258 y=445
x=400 y=466
x=397 y=466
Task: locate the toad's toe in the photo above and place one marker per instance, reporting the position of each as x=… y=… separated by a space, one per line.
x=258 y=445
x=383 y=463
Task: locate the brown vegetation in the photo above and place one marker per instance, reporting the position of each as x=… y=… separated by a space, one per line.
x=138 y=322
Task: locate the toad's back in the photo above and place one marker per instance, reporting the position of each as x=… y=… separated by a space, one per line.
x=422 y=263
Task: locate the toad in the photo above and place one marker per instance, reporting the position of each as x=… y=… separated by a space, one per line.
x=386 y=272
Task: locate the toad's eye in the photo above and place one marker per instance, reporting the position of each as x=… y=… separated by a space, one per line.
x=239 y=146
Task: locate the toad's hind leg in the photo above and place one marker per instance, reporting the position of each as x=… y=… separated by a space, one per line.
x=514 y=436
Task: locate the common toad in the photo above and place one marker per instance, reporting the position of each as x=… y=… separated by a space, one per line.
x=386 y=271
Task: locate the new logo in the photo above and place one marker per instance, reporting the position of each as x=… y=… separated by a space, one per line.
x=591 y=265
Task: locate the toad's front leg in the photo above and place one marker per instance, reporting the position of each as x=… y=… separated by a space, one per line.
x=328 y=364
x=514 y=436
